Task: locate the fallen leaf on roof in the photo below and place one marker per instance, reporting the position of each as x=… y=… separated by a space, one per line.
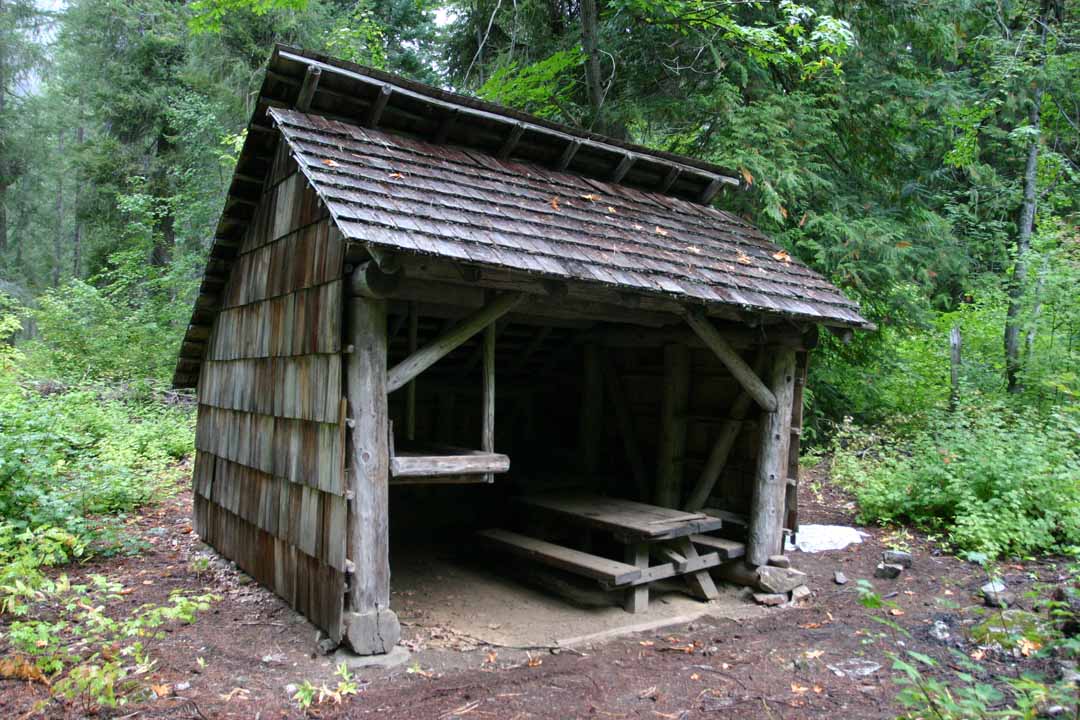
x=782 y=255
x=612 y=210
x=695 y=676
x=554 y=203
x=693 y=249
x=329 y=163
x=645 y=643
x=534 y=662
x=743 y=259
x=638 y=227
x=396 y=175
x=661 y=231
x=590 y=197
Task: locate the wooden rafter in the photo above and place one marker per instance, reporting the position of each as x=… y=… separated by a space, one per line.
x=731 y=360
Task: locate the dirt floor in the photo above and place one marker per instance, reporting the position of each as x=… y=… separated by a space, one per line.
x=245 y=656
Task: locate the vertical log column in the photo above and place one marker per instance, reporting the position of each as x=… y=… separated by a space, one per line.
x=676 y=398
x=370 y=626
x=770 y=481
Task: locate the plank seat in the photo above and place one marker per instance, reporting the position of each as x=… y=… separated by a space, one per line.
x=609 y=572
x=726 y=549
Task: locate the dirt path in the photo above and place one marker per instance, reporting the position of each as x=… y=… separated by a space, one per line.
x=238 y=660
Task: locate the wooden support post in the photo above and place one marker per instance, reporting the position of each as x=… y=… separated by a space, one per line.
x=449 y=341
x=721 y=449
x=487 y=435
x=370 y=281
x=700 y=583
x=374 y=113
x=614 y=388
x=791 y=501
x=765 y=536
x=590 y=431
x=731 y=360
x=637 y=597
x=410 y=389
x=673 y=426
x=371 y=627
x=308 y=88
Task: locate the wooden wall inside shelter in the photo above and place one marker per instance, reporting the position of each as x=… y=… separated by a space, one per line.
x=269 y=479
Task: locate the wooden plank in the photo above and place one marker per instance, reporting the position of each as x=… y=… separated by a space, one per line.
x=700 y=582
x=470 y=479
x=732 y=361
x=625 y=422
x=434 y=465
x=791 y=502
x=726 y=549
x=637 y=597
x=770 y=480
x=664 y=571
x=624 y=518
x=410 y=389
x=611 y=572
x=672 y=445
x=449 y=341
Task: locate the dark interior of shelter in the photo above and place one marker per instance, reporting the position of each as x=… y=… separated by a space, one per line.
x=578 y=405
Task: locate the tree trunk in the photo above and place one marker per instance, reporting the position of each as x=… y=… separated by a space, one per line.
x=1025 y=227
x=58 y=235
x=76 y=238
x=589 y=21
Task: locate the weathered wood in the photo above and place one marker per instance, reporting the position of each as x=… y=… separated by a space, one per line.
x=666 y=570
x=625 y=163
x=368 y=598
x=710 y=191
x=446 y=343
x=470 y=479
x=568 y=154
x=625 y=422
x=672 y=446
x=308 y=88
x=700 y=582
x=370 y=281
x=378 y=105
x=611 y=572
x=590 y=429
x=732 y=361
x=511 y=141
x=625 y=519
x=721 y=449
x=435 y=465
x=770 y=480
x=487 y=431
x=410 y=389
x=726 y=549
x=791 y=501
x=636 y=599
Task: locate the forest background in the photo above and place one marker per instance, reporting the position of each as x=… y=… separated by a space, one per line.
x=922 y=154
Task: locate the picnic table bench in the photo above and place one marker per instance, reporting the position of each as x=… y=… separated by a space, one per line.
x=659 y=543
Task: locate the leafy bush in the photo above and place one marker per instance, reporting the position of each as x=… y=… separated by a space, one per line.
x=997 y=480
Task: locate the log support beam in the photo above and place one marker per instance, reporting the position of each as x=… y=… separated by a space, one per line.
x=487 y=432
x=732 y=360
x=449 y=341
x=370 y=626
x=308 y=88
x=766 y=530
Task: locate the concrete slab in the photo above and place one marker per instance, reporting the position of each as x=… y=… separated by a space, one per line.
x=397 y=656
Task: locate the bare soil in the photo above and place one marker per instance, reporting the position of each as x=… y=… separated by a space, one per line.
x=238 y=659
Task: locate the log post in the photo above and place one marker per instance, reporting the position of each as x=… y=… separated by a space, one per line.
x=791 y=511
x=673 y=426
x=591 y=422
x=410 y=389
x=371 y=627
x=487 y=435
x=765 y=535
x=732 y=361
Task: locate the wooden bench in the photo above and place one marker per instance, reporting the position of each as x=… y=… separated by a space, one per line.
x=609 y=572
x=726 y=549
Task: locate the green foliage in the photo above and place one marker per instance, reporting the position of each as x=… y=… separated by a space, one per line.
x=359 y=39
x=209 y=15
x=308 y=694
x=997 y=480
x=543 y=88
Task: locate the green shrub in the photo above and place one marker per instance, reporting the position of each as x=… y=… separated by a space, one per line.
x=997 y=480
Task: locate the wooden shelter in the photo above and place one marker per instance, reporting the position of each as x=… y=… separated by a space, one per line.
x=413 y=288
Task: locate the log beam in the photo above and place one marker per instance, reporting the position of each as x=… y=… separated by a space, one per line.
x=487 y=432
x=765 y=535
x=371 y=627
x=410 y=389
x=308 y=88
x=449 y=341
x=370 y=281
x=732 y=361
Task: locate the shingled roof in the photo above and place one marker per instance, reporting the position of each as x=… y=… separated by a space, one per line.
x=419 y=170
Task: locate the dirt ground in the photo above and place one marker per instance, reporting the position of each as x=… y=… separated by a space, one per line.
x=242 y=658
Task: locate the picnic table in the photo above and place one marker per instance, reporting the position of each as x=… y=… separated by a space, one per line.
x=659 y=543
